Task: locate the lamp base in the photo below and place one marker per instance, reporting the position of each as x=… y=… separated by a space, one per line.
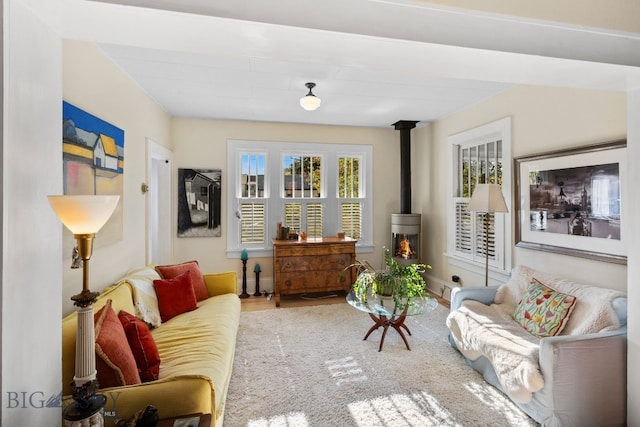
x=88 y=414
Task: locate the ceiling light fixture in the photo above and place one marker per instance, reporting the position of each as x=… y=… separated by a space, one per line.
x=310 y=102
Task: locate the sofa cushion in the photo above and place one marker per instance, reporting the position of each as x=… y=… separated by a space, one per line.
x=175 y=296
x=542 y=311
x=145 y=299
x=593 y=311
x=171 y=271
x=115 y=363
x=143 y=347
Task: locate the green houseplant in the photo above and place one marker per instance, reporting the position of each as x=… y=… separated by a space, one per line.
x=401 y=282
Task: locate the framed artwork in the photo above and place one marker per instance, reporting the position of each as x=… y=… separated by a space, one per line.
x=199 y=202
x=572 y=202
x=93 y=163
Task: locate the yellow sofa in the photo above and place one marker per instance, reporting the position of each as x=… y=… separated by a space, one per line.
x=196 y=352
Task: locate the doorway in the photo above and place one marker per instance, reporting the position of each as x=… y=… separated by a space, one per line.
x=159 y=204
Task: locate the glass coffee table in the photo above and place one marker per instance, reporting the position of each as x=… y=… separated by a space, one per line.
x=385 y=314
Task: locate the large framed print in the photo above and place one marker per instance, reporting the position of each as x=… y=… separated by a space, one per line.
x=572 y=202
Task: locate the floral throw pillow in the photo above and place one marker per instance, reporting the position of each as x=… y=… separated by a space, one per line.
x=542 y=311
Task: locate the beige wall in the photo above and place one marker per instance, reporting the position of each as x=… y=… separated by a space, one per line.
x=543 y=119
x=633 y=341
x=93 y=83
x=203 y=144
x=31 y=233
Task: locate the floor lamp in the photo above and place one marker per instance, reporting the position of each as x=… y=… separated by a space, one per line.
x=487 y=198
x=84 y=216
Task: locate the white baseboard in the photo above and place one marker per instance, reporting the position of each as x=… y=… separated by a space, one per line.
x=442 y=288
x=266 y=284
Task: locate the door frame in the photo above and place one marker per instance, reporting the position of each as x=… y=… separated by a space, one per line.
x=159 y=198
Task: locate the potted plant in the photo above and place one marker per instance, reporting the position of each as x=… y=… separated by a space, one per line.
x=401 y=282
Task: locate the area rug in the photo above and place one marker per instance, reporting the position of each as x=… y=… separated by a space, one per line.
x=310 y=367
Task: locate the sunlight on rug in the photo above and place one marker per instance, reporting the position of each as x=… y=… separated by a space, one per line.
x=495 y=401
x=400 y=410
x=290 y=420
x=346 y=370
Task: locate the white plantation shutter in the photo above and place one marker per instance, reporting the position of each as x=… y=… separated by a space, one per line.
x=480 y=234
x=351 y=219
x=252 y=223
x=470 y=235
x=314 y=219
x=293 y=216
x=463 y=228
x=312 y=224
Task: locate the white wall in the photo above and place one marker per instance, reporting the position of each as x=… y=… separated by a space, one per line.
x=31 y=233
x=633 y=353
x=543 y=119
x=203 y=144
x=93 y=83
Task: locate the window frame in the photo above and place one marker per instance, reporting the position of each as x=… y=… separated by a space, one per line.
x=500 y=268
x=274 y=153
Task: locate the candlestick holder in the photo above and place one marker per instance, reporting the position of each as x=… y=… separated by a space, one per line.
x=256 y=270
x=244 y=293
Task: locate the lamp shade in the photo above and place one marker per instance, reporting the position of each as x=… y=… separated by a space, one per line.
x=83 y=214
x=487 y=198
x=310 y=102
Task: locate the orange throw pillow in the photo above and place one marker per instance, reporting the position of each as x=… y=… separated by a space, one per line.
x=115 y=363
x=197 y=280
x=143 y=346
x=175 y=296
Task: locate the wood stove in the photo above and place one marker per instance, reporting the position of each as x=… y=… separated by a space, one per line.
x=405 y=226
x=405 y=238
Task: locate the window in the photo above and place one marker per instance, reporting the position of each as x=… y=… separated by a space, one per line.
x=480 y=156
x=349 y=194
x=302 y=179
x=252 y=204
x=315 y=188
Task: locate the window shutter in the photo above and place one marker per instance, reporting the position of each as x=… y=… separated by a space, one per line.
x=252 y=224
x=351 y=219
x=463 y=227
x=470 y=235
x=293 y=216
x=481 y=236
x=314 y=219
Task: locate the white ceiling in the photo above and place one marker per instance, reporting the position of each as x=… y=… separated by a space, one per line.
x=374 y=62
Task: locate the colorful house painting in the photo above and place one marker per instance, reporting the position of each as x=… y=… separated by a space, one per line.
x=93 y=163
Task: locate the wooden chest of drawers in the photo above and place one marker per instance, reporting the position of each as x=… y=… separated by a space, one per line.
x=314 y=265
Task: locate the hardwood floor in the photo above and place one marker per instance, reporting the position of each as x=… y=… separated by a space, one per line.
x=263 y=303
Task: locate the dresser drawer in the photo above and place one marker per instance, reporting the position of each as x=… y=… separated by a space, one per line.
x=316 y=263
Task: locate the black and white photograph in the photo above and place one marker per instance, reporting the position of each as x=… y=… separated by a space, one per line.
x=582 y=201
x=199 y=202
x=572 y=201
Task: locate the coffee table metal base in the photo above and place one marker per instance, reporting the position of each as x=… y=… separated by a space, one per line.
x=384 y=322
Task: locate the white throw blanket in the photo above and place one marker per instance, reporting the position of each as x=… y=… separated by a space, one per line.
x=490 y=331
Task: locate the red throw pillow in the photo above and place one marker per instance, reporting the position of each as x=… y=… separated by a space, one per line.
x=175 y=296
x=143 y=346
x=115 y=363
x=171 y=271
